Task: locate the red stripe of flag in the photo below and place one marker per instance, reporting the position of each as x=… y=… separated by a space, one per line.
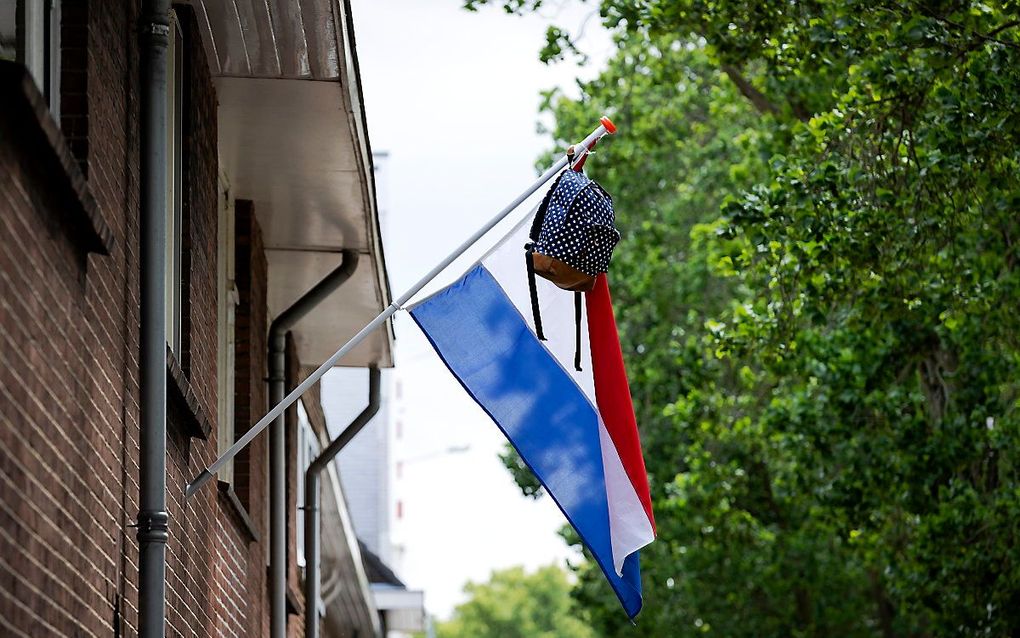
x=612 y=393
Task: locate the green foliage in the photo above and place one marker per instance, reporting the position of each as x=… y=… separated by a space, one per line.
x=515 y=604
x=817 y=295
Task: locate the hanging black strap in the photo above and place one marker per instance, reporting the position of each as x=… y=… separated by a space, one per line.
x=577 y=331
x=529 y=256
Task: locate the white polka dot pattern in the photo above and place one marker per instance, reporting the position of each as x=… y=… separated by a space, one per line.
x=578 y=227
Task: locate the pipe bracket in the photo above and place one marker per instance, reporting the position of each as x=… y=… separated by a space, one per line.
x=153 y=527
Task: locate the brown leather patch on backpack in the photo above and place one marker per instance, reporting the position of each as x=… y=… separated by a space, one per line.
x=563 y=274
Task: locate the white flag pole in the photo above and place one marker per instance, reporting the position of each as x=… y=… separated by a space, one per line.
x=605 y=127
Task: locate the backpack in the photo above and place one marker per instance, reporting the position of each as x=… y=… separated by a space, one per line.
x=572 y=240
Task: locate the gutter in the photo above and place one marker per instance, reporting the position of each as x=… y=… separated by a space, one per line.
x=351 y=74
x=153 y=521
x=277 y=436
x=313 y=502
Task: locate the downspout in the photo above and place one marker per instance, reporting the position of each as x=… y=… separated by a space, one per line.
x=153 y=521
x=313 y=497
x=277 y=435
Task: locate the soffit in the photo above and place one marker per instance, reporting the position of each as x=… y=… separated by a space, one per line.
x=273 y=38
x=292 y=140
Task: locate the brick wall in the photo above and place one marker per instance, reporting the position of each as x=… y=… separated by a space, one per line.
x=216 y=583
x=69 y=341
x=251 y=335
x=60 y=524
x=212 y=566
x=250 y=401
x=68 y=373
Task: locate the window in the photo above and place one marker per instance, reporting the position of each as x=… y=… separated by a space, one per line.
x=226 y=321
x=307 y=451
x=30 y=34
x=174 y=192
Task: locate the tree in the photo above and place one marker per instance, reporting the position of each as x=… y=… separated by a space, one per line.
x=817 y=294
x=517 y=604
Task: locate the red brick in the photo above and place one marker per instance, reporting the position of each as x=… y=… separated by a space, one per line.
x=69 y=395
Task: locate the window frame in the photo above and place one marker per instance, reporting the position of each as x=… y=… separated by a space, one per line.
x=36 y=30
x=228 y=298
x=174 y=184
x=308 y=449
x=51 y=56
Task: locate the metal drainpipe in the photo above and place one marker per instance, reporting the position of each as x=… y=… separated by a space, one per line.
x=312 y=498
x=153 y=521
x=277 y=440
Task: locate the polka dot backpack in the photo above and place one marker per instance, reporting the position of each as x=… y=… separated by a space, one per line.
x=572 y=240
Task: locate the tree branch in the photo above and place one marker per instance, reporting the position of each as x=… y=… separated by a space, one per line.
x=884 y=607
x=757 y=98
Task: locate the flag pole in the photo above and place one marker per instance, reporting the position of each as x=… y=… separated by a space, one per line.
x=605 y=127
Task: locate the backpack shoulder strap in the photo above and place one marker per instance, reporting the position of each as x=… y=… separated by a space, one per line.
x=578 y=300
x=536 y=224
x=536 y=313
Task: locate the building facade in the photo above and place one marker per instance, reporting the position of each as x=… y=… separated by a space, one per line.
x=268 y=180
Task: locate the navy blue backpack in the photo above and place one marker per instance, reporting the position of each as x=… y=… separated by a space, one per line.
x=572 y=241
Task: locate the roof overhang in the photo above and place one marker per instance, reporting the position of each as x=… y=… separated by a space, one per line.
x=404 y=609
x=292 y=139
x=346 y=592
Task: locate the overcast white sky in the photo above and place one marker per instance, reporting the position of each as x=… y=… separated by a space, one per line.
x=452 y=96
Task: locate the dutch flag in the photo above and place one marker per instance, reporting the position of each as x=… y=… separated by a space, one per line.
x=575 y=429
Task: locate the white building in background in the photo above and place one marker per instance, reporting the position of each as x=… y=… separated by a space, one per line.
x=366 y=465
x=368 y=468
x=367 y=471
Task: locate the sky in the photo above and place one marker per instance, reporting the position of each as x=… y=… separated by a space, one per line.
x=452 y=98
